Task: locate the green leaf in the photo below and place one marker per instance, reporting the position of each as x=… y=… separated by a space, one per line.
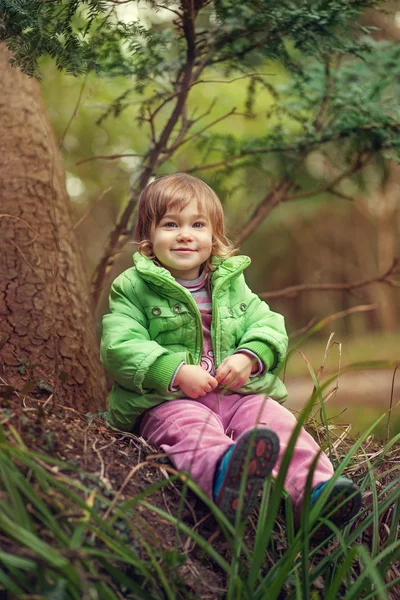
x=16 y=561
x=15 y=531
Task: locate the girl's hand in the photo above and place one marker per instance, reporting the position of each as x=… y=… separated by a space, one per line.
x=195 y=381
x=235 y=370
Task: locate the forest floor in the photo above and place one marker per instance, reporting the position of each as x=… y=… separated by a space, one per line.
x=121 y=465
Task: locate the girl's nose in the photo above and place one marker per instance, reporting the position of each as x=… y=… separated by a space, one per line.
x=185 y=234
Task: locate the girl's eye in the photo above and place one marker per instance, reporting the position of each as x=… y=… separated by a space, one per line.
x=199 y=223
x=170 y=224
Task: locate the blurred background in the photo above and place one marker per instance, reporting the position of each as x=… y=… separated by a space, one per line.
x=315 y=236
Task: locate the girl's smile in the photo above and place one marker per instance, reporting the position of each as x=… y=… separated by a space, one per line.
x=182 y=241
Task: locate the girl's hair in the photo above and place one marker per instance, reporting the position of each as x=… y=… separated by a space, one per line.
x=176 y=191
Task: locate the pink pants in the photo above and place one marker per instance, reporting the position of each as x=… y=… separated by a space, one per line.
x=195 y=433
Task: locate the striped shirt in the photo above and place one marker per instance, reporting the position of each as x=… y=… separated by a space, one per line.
x=199 y=289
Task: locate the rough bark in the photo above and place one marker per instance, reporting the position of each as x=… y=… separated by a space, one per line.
x=46 y=322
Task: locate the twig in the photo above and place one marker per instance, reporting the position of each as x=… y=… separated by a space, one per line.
x=95 y=203
x=106 y=157
x=319 y=118
x=101 y=476
x=295 y=290
x=163 y=103
x=304 y=329
x=8 y=216
x=390 y=406
x=31 y=267
x=121 y=489
x=75 y=111
x=164 y=7
x=205 y=113
x=227 y=161
x=341 y=195
x=335 y=316
x=47 y=401
x=153 y=135
x=191 y=137
x=272 y=199
x=234 y=79
x=185 y=126
x=235 y=56
x=279 y=194
x=327 y=348
x=358 y=164
x=300 y=146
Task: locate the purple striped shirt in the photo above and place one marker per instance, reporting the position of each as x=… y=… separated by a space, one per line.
x=199 y=289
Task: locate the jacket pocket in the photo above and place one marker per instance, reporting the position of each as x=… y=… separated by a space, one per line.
x=166 y=322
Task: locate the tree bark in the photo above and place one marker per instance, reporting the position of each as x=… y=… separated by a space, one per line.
x=47 y=331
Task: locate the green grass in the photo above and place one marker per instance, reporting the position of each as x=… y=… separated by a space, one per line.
x=64 y=538
x=368 y=356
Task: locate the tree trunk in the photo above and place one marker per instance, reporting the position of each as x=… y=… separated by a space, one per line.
x=47 y=332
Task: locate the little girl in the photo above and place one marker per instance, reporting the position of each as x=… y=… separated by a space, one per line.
x=194 y=355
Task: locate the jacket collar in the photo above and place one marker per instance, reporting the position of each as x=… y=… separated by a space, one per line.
x=225 y=268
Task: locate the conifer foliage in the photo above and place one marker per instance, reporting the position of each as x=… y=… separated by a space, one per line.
x=82 y=35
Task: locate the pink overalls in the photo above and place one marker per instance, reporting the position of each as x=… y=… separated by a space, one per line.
x=195 y=433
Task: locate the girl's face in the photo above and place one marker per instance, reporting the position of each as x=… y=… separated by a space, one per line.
x=182 y=241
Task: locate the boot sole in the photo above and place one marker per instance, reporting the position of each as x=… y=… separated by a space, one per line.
x=344 y=513
x=264 y=452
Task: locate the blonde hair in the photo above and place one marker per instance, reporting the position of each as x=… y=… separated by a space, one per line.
x=176 y=191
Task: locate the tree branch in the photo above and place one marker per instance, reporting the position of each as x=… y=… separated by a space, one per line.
x=191 y=137
x=279 y=194
x=95 y=203
x=74 y=112
x=341 y=195
x=274 y=197
x=165 y=7
x=323 y=107
x=118 y=235
x=295 y=290
x=334 y=317
x=186 y=125
x=107 y=157
x=299 y=147
x=255 y=74
x=358 y=164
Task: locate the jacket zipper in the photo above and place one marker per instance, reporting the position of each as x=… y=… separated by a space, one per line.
x=197 y=315
x=216 y=346
x=214 y=304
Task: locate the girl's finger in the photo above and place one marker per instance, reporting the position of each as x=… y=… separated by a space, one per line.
x=238 y=383
x=227 y=379
x=221 y=374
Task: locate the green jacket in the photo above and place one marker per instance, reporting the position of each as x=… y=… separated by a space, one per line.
x=154 y=324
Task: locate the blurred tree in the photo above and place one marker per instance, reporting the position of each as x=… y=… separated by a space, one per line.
x=47 y=335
